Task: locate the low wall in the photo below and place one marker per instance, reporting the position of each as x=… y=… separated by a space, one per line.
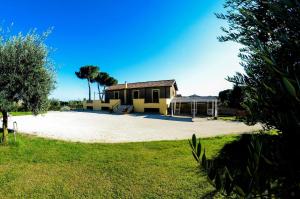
x=139 y=105
x=97 y=104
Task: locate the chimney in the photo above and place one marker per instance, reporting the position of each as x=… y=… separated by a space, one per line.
x=125 y=84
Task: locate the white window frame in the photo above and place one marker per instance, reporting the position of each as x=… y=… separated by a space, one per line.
x=133 y=94
x=157 y=89
x=115 y=94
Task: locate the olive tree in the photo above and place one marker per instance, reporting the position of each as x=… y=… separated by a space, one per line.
x=269 y=33
x=26 y=74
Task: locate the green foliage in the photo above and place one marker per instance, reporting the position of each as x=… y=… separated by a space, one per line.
x=269 y=33
x=54 y=105
x=65 y=108
x=74 y=105
x=246 y=169
x=103 y=79
x=232 y=98
x=26 y=74
x=89 y=73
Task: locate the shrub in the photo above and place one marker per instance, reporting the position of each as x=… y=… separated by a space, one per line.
x=65 y=108
x=55 y=105
x=252 y=166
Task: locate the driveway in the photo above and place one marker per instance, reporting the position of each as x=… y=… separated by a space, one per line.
x=111 y=128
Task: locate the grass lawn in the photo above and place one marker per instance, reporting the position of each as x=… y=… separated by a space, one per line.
x=41 y=168
x=18 y=113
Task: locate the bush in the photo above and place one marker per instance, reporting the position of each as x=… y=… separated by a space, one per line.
x=55 y=105
x=252 y=166
x=65 y=108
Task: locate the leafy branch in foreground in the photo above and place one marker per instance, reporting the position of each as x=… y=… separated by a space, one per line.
x=250 y=181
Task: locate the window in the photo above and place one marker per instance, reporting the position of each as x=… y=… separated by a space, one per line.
x=135 y=94
x=155 y=96
x=116 y=95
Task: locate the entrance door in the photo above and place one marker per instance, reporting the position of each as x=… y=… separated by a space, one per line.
x=155 y=96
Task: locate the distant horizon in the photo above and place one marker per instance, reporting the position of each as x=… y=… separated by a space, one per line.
x=133 y=41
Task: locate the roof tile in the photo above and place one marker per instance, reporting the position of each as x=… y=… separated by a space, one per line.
x=159 y=83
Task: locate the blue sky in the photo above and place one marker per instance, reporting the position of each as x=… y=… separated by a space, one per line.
x=133 y=41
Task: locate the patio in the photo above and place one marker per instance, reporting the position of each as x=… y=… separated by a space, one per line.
x=111 y=128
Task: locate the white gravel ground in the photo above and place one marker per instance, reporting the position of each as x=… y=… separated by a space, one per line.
x=111 y=128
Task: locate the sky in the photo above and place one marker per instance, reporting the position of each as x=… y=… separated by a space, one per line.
x=132 y=40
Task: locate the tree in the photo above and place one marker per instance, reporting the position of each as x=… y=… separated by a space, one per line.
x=55 y=105
x=103 y=79
x=26 y=74
x=224 y=96
x=232 y=98
x=89 y=73
x=269 y=33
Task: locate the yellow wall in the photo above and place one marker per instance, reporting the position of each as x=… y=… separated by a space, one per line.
x=139 y=105
x=97 y=104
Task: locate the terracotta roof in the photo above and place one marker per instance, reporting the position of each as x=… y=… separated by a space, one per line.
x=159 y=83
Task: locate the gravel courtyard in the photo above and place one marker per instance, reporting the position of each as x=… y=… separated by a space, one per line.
x=111 y=128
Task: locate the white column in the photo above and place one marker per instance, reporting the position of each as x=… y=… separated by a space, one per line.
x=194 y=110
x=216 y=108
x=212 y=108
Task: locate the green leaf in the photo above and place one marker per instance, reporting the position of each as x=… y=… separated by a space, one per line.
x=239 y=190
x=266 y=160
x=194 y=140
x=289 y=86
x=269 y=61
x=195 y=156
x=204 y=159
x=199 y=149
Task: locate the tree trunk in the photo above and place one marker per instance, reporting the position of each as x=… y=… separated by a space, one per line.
x=103 y=93
x=89 y=89
x=100 y=98
x=4 y=126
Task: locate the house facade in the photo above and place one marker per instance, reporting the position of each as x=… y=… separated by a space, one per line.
x=151 y=96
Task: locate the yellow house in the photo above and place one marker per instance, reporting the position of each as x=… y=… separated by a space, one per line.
x=151 y=96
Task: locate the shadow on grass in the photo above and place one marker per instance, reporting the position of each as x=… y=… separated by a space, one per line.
x=282 y=168
x=9 y=130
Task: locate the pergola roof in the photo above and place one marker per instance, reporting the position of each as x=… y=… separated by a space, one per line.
x=194 y=98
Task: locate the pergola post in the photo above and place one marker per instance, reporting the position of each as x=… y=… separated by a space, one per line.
x=172 y=109
x=212 y=108
x=193 y=108
x=216 y=108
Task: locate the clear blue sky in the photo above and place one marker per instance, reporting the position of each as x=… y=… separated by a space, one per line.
x=132 y=40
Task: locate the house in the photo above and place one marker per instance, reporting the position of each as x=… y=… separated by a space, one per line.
x=151 y=96
x=154 y=96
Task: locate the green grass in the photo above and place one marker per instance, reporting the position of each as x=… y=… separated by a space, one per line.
x=41 y=168
x=18 y=113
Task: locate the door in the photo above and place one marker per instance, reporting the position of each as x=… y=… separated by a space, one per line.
x=135 y=94
x=155 y=96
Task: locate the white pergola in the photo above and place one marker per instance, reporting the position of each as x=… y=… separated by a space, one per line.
x=211 y=111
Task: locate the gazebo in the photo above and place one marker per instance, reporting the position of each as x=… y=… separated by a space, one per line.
x=210 y=101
